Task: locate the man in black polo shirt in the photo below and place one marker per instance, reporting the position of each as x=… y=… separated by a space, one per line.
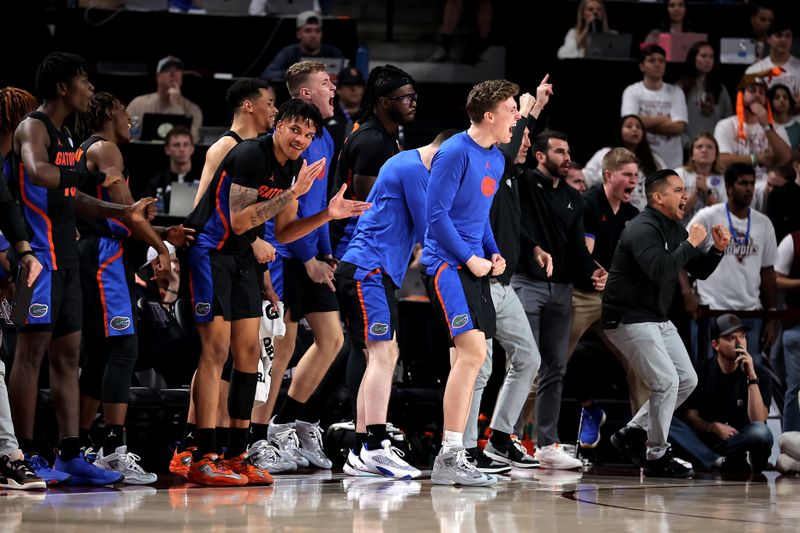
x=644 y=271
x=606 y=212
x=725 y=417
x=552 y=219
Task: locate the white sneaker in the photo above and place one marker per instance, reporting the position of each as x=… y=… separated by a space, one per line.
x=355 y=467
x=554 y=457
x=125 y=463
x=387 y=461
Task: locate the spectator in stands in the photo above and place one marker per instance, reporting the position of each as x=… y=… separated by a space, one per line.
x=179 y=147
x=761 y=19
x=591 y=19
x=631 y=136
x=745 y=278
x=787 y=273
x=782 y=203
x=575 y=177
x=749 y=136
x=707 y=99
x=477 y=44
x=724 y=419
x=674 y=21
x=661 y=106
x=777 y=178
x=702 y=175
x=167 y=99
x=784 y=109
x=309 y=45
x=780 y=55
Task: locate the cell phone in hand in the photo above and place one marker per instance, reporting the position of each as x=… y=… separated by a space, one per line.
x=23 y=295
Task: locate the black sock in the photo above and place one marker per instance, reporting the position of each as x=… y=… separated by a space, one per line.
x=446 y=41
x=189 y=439
x=499 y=438
x=237 y=442
x=223 y=434
x=85 y=438
x=28 y=446
x=361 y=438
x=376 y=433
x=258 y=432
x=289 y=412
x=205 y=442
x=69 y=448
x=115 y=437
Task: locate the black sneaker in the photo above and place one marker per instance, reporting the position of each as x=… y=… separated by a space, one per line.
x=668 y=466
x=631 y=441
x=737 y=463
x=511 y=453
x=485 y=464
x=18 y=475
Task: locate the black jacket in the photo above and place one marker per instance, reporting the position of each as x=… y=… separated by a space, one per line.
x=644 y=271
x=552 y=217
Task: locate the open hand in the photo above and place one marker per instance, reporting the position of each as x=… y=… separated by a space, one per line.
x=339 y=208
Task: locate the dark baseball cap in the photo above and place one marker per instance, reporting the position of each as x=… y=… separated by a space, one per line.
x=725 y=325
x=349 y=76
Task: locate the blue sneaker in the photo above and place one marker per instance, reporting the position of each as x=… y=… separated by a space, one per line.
x=85 y=473
x=592 y=418
x=41 y=468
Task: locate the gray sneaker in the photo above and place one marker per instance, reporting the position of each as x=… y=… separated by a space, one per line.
x=452 y=468
x=284 y=438
x=267 y=457
x=127 y=464
x=311 y=444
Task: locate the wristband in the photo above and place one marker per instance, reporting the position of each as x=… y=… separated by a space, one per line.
x=754 y=381
x=26 y=252
x=250 y=236
x=74 y=178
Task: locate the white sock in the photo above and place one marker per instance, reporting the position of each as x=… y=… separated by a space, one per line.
x=452 y=439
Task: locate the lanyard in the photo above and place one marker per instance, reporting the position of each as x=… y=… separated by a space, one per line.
x=734 y=235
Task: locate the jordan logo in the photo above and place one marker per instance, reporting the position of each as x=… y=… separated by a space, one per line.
x=569 y=205
x=487 y=165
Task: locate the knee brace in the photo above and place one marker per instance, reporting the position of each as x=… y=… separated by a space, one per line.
x=241 y=394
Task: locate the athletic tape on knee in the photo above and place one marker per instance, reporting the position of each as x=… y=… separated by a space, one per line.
x=241 y=394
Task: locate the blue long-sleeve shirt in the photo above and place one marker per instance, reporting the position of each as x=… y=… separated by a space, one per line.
x=464 y=178
x=315 y=200
x=385 y=235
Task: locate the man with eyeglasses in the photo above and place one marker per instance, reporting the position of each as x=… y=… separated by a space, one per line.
x=749 y=136
x=390 y=101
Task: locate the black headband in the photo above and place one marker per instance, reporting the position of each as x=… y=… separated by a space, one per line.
x=391 y=85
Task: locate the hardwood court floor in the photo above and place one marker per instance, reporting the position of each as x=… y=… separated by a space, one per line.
x=543 y=501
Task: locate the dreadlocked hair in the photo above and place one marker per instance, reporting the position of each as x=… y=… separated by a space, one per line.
x=14 y=105
x=102 y=107
x=381 y=81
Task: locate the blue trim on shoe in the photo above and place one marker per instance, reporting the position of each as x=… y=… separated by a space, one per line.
x=42 y=468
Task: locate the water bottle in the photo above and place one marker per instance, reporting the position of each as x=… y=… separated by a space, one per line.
x=135 y=127
x=742 y=54
x=160 y=201
x=362 y=59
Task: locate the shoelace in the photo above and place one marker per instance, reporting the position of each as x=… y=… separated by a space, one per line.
x=21 y=466
x=316 y=435
x=289 y=437
x=131 y=461
x=461 y=460
x=262 y=448
x=38 y=462
x=395 y=450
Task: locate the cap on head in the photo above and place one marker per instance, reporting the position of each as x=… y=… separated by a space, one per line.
x=169 y=61
x=725 y=325
x=308 y=17
x=350 y=76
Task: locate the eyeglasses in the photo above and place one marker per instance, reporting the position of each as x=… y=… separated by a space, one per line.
x=753 y=88
x=405 y=98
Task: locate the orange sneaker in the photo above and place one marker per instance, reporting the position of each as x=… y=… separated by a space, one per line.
x=243 y=466
x=181 y=461
x=211 y=471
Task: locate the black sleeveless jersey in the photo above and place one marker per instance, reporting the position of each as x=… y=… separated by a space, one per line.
x=100 y=227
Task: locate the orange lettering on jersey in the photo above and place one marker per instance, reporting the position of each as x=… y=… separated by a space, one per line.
x=78 y=154
x=268 y=192
x=71 y=192
x=65 y=159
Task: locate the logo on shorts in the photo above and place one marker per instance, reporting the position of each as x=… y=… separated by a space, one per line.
x=459 y=321
x=38 y=310
x=120 y=323
x=379 y=328
x=202 y=309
